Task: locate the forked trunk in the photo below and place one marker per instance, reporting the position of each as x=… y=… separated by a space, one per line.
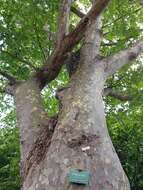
x=81 y=124
x=80 y=139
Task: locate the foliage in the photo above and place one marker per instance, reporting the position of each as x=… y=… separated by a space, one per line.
x=127 y=134
x=27 y=30
x=9 y=159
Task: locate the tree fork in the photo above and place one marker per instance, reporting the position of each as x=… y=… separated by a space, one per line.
x=81 y=121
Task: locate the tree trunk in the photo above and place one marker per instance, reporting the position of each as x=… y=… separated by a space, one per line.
x=47 y=159
x=81 y=123
x=35 y=127
x=78 y=138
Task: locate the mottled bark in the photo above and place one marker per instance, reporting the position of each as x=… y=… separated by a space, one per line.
x=63 y=27
x=81 y=123
x=117 y=61
x=32 y=121
x=49 y=149
x=30 y=113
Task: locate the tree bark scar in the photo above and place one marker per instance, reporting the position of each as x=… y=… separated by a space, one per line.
x=132 y=56
x=39 y=150
x=81 y=139
x=77 y=114
x=86 y=143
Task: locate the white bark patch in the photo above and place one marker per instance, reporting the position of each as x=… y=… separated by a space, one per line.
x=85 y=148
x=36 y=186
x=107 y=161
x=66 y=161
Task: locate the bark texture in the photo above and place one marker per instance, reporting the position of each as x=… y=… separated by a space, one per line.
x=81 y=123
x=35 y=127
x=50 y=147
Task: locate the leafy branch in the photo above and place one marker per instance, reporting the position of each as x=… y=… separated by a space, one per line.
x=16 y=57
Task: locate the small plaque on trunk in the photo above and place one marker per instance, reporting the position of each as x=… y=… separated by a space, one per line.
x=79 y=176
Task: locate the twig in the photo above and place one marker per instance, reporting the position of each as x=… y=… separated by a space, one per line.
x=121 y=17
x=118 y=95
x=77 y=12
x=39 y=43
x=8 y=76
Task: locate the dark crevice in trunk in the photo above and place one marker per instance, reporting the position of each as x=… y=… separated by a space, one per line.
x=40 y=147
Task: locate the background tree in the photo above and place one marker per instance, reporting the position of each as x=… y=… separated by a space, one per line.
x=9 y=160
x=27 y=39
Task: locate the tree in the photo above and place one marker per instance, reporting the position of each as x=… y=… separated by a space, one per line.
x=50 y=146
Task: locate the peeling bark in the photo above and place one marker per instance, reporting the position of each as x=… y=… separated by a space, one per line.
x=50 y=147
x=35 y=127
x=81 y=123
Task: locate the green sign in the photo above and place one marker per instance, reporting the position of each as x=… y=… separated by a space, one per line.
x=79 y=176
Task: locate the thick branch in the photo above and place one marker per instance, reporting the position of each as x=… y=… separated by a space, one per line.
x=63 y=20
x=8 y=76
x=77 y=12
x=114 y=63
x=51 y=69
x=117 y=95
